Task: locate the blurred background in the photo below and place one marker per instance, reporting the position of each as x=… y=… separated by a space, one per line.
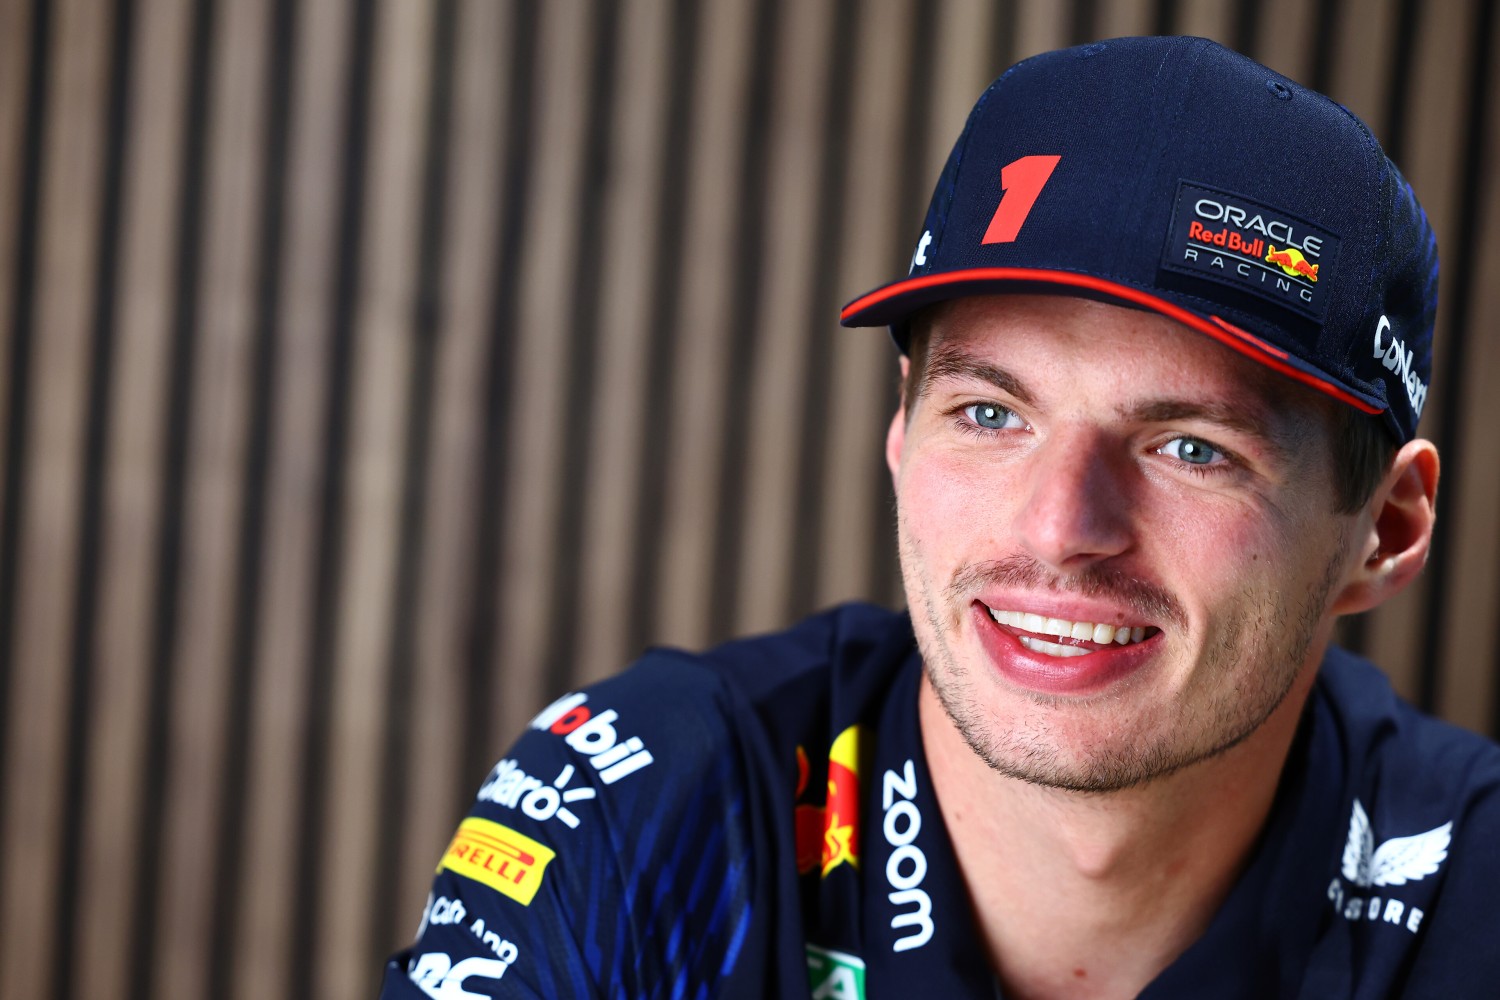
x=372 y=371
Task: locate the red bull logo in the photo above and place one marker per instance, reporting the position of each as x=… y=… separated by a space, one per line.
x=1292 y=262
x=828 y=835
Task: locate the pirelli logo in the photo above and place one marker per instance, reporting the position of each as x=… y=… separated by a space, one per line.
x=508 y=862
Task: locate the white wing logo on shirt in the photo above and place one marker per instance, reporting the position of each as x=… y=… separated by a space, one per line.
x=1397 y=861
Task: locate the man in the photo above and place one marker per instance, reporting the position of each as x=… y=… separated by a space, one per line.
x=1166 y=338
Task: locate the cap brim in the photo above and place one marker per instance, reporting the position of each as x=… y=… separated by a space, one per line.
x=894 y=304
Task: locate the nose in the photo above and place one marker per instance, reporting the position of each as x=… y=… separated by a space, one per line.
x=1077 y=508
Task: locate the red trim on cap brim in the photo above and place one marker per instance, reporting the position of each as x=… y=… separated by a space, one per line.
x=1219 y=329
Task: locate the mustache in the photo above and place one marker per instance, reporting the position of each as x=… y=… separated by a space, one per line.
x=1151 y=601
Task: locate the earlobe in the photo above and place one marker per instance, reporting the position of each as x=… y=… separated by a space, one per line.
x=1398 y=536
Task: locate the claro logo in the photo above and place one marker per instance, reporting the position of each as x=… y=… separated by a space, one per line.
x=1397 y=359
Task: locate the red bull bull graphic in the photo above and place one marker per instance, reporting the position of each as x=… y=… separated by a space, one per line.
x=828 y=835
x=1291 y=261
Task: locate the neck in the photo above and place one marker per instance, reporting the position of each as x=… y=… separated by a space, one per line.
x=1093 y=894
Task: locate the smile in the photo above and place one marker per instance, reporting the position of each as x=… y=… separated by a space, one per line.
x=1076 y=638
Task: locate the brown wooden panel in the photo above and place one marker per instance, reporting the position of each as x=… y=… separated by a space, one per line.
x=15 y=64
x=44 y=629
x=692 y=501
x=110 y=882
x=777 y=406
x=617 y=407
x=370 y=519
x=269 y=895
x=222 y=330
x=541 y=357
x=447 y=570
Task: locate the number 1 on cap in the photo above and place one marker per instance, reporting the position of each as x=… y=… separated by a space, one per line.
x=1021 y=181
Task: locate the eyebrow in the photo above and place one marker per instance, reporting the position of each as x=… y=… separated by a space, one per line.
x=946 y=362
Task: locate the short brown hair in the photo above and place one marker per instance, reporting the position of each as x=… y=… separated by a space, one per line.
x=1362 y=447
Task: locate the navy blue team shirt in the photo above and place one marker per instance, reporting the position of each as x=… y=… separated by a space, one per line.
x=758 y=821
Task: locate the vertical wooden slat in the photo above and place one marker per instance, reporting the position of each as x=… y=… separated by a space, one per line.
x=1445 y=644
x=777 y=398
x=133 y=480
x=691 y=496
x=447 y=567
x=856 y=411
x=617 y=409
x=15 y=64
x=214 y=459
x=1425 y=147
x=547 y=270
x=1040 y=27
x=1126 y=17
x=34 y=756
x=1205 y=18
x=269 y=894
x=370 y=519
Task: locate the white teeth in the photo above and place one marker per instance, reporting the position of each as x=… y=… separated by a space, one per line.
x=1052 y=648
x=1122 y=635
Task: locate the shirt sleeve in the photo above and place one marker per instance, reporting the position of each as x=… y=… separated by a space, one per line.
x=609 y=853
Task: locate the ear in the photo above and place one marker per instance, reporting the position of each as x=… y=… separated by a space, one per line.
x=1396 y=530
x=895 y=435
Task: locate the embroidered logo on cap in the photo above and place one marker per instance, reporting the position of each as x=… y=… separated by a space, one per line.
x=1251 y=247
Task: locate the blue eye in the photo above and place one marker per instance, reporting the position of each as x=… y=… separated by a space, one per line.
x=1192 y=451
x=991 y=416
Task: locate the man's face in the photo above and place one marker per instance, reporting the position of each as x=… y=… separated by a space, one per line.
x=1074 y=467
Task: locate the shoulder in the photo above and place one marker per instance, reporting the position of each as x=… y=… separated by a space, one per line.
x=1418 y=870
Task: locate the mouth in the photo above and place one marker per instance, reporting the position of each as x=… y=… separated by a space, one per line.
x=1060 y=657
x=1060 y=637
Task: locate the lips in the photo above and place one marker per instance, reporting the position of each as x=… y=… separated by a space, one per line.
x=1051 y=655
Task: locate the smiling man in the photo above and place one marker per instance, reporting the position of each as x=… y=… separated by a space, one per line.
x=1164 y=345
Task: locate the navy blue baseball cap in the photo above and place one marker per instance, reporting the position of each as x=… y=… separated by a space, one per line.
x=1177 y=176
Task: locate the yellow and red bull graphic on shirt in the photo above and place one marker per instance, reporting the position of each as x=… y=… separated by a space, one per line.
x=511 y=863
x=828 y=835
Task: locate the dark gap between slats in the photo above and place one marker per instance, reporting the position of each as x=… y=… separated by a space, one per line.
x=229 y=871
x=426 y=328
x=306 y=920
x=27 y=213
x=1244 y=34
x=1164 y=17
x=1449 y=365
x=913 y=187
x=1002 y=38
x=806 y=536
x=578 y=415
x=158 y=770
x=491 y=511
x=742 y=323
x=1083 y=21
x=664 y=331
x=77 y=783
x=1325 y=47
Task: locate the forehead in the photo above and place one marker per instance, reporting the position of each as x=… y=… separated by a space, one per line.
x=1045 y=329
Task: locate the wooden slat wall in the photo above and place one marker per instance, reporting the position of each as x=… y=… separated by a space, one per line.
x=372 y=370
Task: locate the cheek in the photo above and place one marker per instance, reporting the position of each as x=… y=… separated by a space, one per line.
x=952 y=504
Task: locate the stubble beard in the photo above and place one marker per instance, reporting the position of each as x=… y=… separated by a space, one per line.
x=1273 y=637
